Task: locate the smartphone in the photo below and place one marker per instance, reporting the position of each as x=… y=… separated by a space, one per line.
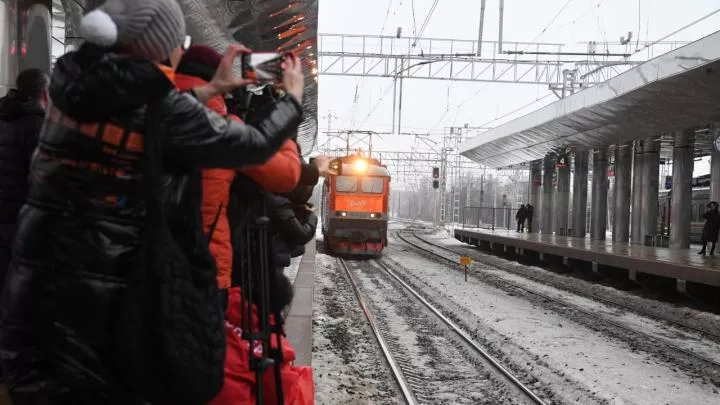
x=263 y=67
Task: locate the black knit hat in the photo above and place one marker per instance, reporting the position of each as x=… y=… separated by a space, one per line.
x=199 y=61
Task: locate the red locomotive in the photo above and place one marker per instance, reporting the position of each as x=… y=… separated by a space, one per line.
x=355 y=206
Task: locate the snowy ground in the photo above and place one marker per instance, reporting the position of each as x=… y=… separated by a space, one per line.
x=696 y=318
x=439 y=368
x=349 y=369
x=579 y=362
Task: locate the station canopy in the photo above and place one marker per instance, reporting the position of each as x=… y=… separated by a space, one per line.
x=677 y=91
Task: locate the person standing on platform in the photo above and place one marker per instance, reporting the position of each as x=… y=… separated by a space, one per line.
x=529 y=211
x=520 y=218
x=711 y=228
x=22 y=113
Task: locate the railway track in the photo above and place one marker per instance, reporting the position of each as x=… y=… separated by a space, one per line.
x=564 y=303
x=411 y=384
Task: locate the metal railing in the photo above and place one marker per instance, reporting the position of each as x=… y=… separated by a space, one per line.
x=489 y=218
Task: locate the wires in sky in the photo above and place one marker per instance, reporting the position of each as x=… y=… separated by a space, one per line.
x=424 y=25
x=417 y=36
x=683 y=28
x=552 y=21
x=361 y=81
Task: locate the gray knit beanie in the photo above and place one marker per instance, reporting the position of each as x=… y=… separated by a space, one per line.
x=146 y=28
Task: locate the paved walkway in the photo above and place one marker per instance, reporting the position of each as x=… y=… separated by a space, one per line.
x=298 y=325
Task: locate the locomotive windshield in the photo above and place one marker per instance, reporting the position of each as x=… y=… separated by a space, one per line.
x=346 y=184
x=373 y=185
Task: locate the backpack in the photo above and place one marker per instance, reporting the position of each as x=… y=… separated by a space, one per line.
x=171 y=349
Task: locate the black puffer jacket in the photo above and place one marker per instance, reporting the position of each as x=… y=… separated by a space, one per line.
x=20 y=124
x=78 y=235
x=291 y=225
x=711 y=229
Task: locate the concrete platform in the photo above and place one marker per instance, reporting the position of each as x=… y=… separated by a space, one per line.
x=298 y=324
x=684 y=265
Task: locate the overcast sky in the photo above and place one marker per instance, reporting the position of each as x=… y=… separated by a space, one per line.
x=430 y=106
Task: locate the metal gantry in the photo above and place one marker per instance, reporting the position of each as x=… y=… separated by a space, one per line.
x=457 y=60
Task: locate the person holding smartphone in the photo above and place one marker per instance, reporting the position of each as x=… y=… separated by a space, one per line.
x=82 y=227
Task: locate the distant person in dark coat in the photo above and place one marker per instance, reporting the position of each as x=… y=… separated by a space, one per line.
x=22 y=113
x=711 y=228
x=529 y=211
x=520 y=218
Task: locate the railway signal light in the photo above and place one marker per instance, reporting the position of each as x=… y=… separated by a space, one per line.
x=436 y=184
x=436 y=172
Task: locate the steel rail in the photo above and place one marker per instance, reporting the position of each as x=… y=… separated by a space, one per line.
x=607 y=301
x=394 y=367
x=467 y=338
x=581 y=310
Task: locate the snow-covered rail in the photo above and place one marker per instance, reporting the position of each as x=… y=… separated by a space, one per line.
x=400 y=369
x=395 y=367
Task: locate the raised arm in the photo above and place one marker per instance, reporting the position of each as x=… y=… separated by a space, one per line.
x=198 y=135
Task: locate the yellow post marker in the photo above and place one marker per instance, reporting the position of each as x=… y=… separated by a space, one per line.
x=465 y=261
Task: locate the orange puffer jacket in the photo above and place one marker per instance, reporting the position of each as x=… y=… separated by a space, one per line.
x=280 y=174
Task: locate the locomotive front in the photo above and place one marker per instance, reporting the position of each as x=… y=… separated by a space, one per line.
x=355 y=207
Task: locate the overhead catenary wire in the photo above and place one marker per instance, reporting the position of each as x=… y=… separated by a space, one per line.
x=412 y=46
x=683 y=28
x=361 y=81
x=544 y=30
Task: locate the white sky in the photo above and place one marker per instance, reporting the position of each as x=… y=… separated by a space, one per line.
x=426 y=104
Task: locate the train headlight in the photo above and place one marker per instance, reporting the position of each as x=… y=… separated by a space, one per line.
x=372 y=215
x=360 y=166
x=342 y=214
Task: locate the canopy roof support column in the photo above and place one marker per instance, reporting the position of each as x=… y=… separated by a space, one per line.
x=580 y=194
x=562 y=199
x=650 y=188
x=536 y=167
x=599 y=194
x=637 y=184
x=546 y=215
x=681 y=197
x=623 y=179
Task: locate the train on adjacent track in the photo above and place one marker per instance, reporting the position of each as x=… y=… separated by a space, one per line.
x=354 y=206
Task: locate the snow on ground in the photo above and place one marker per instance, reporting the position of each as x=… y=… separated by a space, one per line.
x=697 y=318
x=348 y=367
x=606 y=368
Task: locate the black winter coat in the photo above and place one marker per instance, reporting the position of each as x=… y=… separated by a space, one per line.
x=79 y=233
x=20 y=125
x=293 y=226
x=711 y=229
